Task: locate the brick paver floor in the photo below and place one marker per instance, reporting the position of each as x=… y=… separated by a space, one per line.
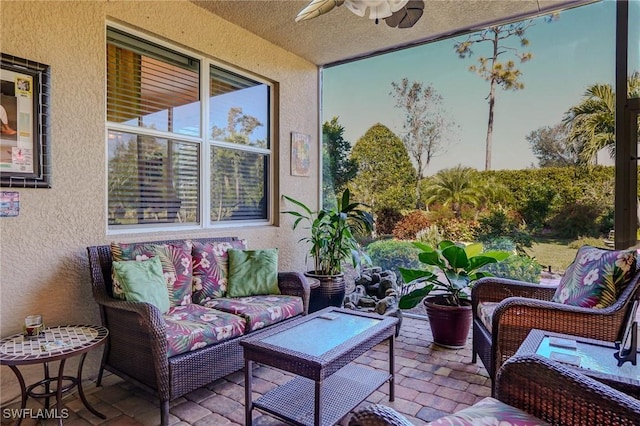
x=430 y=382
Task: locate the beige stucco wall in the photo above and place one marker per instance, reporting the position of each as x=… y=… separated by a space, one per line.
x=43 y=262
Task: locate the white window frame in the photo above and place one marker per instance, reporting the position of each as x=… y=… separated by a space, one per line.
x=204 y=141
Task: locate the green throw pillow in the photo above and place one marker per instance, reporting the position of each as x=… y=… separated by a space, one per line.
x=143 y=281
x=252 y=272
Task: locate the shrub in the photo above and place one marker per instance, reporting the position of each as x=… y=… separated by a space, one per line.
x=458 y=230
x=500 y=223
x=390 y=254
x=430 y=236
x=577 y=219
x=409 y=226
x=517 y=267
x=386 y=220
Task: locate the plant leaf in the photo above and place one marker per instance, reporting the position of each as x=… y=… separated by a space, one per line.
x=410 y=275
x=456 y=256
x=412 y=299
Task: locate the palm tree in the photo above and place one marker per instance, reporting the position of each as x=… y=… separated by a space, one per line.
x=591 y=123
x=454 y=187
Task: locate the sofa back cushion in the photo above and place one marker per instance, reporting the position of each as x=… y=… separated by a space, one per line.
x=596 y=278
x=211 y=268
x=176 y=266
x=143 y=281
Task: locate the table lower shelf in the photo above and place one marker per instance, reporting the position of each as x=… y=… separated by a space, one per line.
x=341 y=393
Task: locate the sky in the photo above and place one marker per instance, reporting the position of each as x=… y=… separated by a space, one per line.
x=569 y=54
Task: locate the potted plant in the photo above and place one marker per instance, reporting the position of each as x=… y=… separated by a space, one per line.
x=332 y=243
x=451 y=271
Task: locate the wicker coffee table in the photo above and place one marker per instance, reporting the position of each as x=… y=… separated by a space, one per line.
x=318 y=349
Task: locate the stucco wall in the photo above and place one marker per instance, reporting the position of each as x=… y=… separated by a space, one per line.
x=43 y=263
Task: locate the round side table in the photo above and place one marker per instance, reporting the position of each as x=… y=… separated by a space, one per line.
x=54 y=344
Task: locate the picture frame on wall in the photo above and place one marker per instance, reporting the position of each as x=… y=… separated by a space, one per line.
x=300 y=154
x=24 y=120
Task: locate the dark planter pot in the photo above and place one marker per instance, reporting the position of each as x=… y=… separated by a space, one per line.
x=330 y=292
x=449 y=324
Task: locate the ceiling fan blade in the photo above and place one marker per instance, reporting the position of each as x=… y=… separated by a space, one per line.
x=317 y=8
x=407 y=16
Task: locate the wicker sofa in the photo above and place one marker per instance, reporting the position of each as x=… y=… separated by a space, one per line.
x=530 y=390
x=139 y=348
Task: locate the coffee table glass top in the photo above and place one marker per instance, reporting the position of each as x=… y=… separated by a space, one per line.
x=596 y=358
x=322 y=333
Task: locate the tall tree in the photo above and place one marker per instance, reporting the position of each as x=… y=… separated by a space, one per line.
x=337 y=168
x=552 y=146
x=495 y=68
x=424 y=124
x=592 y=122
x=385 y=174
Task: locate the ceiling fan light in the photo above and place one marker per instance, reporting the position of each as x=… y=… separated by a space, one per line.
x=381 y=11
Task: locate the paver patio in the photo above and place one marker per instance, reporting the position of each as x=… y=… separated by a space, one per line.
x=431 y=382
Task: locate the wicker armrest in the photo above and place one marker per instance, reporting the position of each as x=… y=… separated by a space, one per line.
x=378 y=415
x=494 y=289
x=295 y=284
x=557 y=395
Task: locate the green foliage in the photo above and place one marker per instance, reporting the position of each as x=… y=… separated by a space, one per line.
x=337 y=168
x=592 y=122
x=392 y=254
x=541 y=194
x=577 y=219
x=411 y=224
x=451 y=269
x=386 y=178
x=458 y=229
x=454 y=187
x=517 y=266
x=503 y=224
x=332 y=232
x=429 y=236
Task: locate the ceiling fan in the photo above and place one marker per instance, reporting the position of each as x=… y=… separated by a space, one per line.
x=396 y=13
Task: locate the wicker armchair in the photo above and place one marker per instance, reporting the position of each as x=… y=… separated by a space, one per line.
x=137 y=347
x=543 y=389
x=524 y=306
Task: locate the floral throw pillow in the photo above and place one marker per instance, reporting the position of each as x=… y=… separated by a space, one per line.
x=211 y=268
x=176 y=266
x=596 y=278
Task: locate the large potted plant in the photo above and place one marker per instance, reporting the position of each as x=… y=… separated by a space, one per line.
x=444 y=287
x=332 y=243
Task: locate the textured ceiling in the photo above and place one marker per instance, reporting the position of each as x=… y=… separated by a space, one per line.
x=339 y=35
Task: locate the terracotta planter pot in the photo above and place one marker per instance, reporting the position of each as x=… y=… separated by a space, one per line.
x=330 y=292
x=449 y=324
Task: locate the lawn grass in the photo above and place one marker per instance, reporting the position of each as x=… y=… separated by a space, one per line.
x=553 y=252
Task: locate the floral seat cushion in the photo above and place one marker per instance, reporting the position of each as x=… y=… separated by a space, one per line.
x=191 y=327
x=485 y=313
x=489 y=411
x=259 y=311
x=596 y=278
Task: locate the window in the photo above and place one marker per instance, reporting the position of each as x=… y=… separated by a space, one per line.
x=174 y=159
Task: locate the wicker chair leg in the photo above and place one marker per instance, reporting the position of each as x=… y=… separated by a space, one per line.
x=164 y=413
x=474 y=356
